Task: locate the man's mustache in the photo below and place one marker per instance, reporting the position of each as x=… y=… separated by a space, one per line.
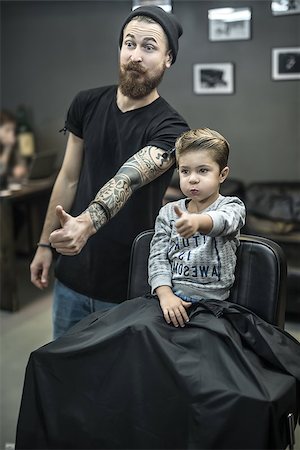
x=134 y=66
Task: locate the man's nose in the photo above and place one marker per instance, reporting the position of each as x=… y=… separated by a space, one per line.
x=136 y=55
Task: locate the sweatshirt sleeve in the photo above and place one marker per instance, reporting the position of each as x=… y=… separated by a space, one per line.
x=159 y=268
x=229 y=218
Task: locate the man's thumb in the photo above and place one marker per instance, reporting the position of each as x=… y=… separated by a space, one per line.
x=178 y=211
x=62 y=215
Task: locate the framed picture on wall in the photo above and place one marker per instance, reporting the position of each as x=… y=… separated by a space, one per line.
x=213 y=78
x=164 y=4
x=284 y=7
x=286 y=63
x=229 y=24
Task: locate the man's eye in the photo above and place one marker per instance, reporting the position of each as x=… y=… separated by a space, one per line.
x=184 y=171
x=203 y=170
x=129 y=44
x=149 y=48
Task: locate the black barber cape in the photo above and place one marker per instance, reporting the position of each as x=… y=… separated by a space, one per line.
x=125 y=379
x=110 y=138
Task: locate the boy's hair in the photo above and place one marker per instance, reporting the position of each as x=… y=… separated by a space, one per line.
x=204 y=139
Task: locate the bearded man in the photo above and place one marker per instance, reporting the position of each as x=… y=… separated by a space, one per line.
x=120 y=139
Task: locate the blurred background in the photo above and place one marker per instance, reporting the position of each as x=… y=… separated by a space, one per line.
x=50 y=50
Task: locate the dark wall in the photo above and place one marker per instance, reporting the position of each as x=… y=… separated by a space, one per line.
x=51 y=50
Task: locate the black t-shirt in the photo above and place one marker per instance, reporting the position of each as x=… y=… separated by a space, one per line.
x=110 y=137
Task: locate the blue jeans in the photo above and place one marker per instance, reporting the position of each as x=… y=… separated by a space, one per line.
x=185 y=298
x=69 y=307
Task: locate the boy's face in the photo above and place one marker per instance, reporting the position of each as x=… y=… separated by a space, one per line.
x=200 y=176
x=144 y=57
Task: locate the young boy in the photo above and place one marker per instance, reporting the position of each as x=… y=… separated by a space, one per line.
x=128 y=379
x=193 y=250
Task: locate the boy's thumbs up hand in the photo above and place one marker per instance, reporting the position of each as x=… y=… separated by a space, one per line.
x=187 y=224
x=178 y=211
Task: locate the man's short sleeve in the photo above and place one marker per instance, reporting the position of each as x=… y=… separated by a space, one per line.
x=74 y=120
x=166 y=132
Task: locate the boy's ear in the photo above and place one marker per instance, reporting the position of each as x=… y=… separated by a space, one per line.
x=224 y=174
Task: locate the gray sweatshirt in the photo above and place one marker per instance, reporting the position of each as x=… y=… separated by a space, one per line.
x=201 y=267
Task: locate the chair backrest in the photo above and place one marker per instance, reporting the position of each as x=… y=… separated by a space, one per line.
x=260 y=275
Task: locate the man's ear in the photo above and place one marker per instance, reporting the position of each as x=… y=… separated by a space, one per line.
x=169 y=58
x=224 y=174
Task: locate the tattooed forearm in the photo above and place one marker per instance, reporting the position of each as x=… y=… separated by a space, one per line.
x=110 y=199
x=146 y=165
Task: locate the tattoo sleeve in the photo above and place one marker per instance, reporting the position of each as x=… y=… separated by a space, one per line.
x=143 y=167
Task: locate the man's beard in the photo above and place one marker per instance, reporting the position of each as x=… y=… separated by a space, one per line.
x=134 y=82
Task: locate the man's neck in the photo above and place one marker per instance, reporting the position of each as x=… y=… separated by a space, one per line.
x=128 y=104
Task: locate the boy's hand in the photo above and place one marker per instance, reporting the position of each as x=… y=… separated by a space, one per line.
x=174 y=309
x=187 y=224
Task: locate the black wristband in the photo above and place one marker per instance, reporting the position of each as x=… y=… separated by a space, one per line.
x=40 y=244
x=103 y=206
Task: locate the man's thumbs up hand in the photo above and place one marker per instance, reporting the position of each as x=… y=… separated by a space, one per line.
x=73 y=234
x=187 y=224
x=62 y=215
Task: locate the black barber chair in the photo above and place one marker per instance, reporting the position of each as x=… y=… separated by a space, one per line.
x=260 y=285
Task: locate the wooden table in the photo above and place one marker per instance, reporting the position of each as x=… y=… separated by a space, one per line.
x=35 y=196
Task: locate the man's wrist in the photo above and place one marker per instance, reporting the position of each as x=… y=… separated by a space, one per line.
x=86 y=218
x=42 y=244
x=97 y=216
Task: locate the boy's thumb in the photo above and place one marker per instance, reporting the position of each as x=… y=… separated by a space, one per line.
x=62 y=215
x=178 y=211
x=186 y=304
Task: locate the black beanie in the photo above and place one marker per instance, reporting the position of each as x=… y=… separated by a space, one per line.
x=167 y=21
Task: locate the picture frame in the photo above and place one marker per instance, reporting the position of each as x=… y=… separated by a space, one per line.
x=213 y=78
x=164 y=4
x=285 y=7
x=286 y=63
x=229 y=24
